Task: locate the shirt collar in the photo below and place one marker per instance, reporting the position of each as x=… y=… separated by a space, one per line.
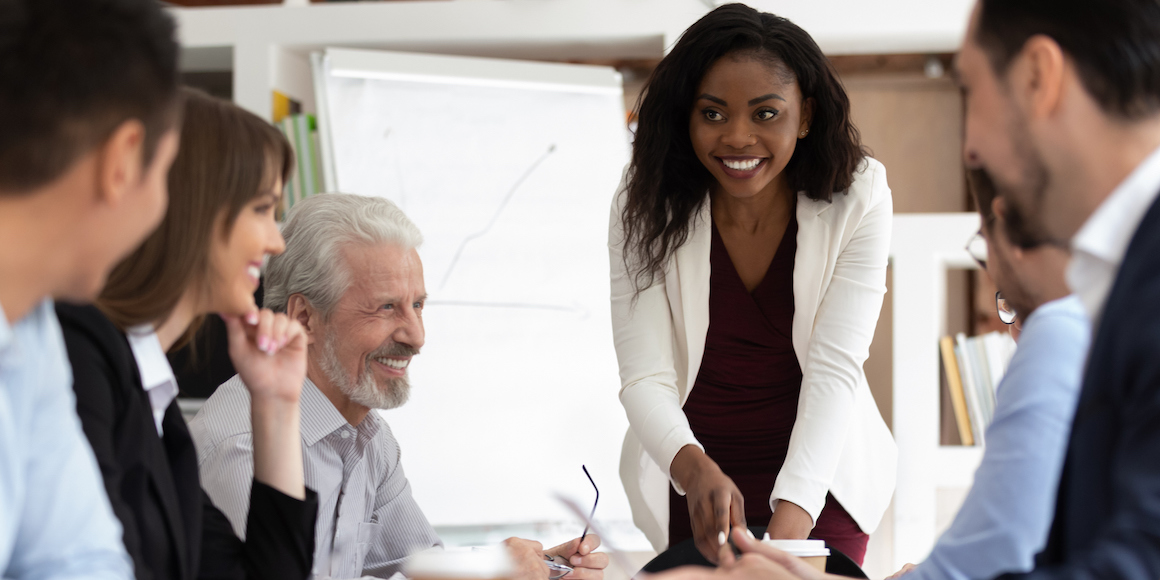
x=151 y=360
x=10 y=351
x=320 y=418
x=5 y=330
x=156 y=375
x=1098 y=248
x=1108 y=231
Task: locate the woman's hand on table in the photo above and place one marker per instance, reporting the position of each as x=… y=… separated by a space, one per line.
x=754 y=564
x=586 y=564
x=790 y=522
x=745 y=567
x=748 y=567
x=715 y=502
x=905 y=568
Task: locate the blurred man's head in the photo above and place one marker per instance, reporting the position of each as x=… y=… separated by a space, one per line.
x=1046 y=83
x=88 y=106
x=351 y=275
x=1027 y=274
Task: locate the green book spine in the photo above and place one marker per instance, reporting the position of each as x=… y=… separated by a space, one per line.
x=316 y=158
x=293 y=185
x=305 y=167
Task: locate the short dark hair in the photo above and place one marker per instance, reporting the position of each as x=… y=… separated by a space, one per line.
x=667 y=183
x=71 y=72
x=1115 y=45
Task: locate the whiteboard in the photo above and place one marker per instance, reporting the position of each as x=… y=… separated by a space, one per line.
x=508 y=168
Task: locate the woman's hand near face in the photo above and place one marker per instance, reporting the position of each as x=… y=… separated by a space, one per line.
x=269 y=353
x=715 y=503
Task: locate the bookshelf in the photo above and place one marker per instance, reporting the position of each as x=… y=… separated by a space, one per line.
x=923 y=248
x=268 y=47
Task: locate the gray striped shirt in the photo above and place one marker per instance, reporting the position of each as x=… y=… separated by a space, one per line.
x=368 y=522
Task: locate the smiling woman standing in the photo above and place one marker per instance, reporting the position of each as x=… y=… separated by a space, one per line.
x=748 y=247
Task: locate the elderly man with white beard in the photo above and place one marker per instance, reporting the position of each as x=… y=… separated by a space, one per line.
x=351 y=275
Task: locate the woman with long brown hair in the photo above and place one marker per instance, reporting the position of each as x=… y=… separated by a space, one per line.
x=204 y=258
x=748 y=248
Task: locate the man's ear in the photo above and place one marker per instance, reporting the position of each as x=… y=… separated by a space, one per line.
x=999 y=208
x=1037 y=76
x=120 y=162
x=299 y=308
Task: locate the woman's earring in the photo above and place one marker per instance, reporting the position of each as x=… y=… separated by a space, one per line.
x=806 y=132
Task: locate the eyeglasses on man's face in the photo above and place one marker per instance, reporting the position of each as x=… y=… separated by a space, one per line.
x=1007 y=312
x=977 y=248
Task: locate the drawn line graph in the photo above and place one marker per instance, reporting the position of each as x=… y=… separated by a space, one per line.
x=575 y=308
x=495 y=217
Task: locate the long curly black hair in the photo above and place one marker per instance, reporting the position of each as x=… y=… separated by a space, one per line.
x=667 y=183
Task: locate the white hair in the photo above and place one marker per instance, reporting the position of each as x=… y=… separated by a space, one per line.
x=316 y=230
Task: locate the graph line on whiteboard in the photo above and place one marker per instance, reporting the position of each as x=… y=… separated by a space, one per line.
x=495 y=217
x=402 y=197
x=574 y=308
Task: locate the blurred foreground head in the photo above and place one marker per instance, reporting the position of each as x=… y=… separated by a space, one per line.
x=89 y=107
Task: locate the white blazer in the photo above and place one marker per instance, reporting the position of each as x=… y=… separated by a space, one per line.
x=839 y=442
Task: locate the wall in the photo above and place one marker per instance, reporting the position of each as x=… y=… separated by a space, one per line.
x=536 y=29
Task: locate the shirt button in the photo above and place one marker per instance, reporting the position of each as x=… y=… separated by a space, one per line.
x=345 y=435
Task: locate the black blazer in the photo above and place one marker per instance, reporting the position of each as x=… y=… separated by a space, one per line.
x=1107 y=515
x=171 y=528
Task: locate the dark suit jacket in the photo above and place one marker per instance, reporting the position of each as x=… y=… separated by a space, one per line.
x=172 y=529
x=1107 y=515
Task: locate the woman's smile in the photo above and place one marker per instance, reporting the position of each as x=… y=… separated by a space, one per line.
x=739 y=167
x=254 y=270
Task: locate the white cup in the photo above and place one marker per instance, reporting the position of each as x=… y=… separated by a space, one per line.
x=814 y=552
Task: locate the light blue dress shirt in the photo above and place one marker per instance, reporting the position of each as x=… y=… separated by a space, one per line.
x=55 y=518
x=1005 y=518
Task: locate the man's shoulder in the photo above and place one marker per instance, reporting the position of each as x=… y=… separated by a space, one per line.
x=1047 y=367
x=38 y=333
x=1138 y=275
x=385 y=445
x=224 y=415
x=384 y=436
x=1131 y=313
x=36 y=378
x=37 y=355
x=1063 y=320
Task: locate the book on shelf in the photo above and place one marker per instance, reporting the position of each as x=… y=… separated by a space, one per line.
x=301 y=131
x=955 y=386
x=974 y=367
x=284 y=106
